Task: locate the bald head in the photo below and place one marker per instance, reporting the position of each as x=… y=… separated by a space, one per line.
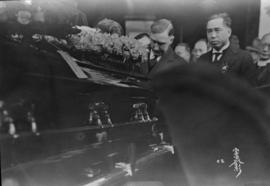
x=265 y=50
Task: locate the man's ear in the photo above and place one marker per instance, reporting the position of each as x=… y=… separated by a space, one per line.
x=171 y=39
x=230 y=31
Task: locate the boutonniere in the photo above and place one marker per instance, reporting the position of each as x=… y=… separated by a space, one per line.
x=224 y=68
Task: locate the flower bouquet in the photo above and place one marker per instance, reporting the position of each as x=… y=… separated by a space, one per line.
x=111 y=50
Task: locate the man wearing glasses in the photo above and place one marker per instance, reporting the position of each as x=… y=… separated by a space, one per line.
x=161 y=40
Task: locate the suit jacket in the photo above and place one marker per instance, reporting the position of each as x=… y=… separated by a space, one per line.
x=169 y=58
x=263 y=77
x=234 y=61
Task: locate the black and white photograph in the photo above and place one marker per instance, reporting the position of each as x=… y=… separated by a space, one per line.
x=135 y=92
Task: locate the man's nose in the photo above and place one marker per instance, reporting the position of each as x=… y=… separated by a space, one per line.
x=213 y=34
x=265 y=48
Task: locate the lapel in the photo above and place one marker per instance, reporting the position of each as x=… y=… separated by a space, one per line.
x=264 y=72
x=209 y=56
x=206 y=58
x=168 y=55
x=229 y=55
x=227 y=60
x=165 y=59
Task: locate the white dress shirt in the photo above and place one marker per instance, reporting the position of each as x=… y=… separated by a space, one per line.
x=263 y=63
x=220 y=52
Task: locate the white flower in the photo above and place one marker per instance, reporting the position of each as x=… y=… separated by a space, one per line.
x=90 y=39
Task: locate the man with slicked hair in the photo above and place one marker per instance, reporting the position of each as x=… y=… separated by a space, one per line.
x=225 y=56
x=162 y=36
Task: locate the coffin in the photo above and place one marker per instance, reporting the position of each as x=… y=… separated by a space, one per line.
x=67 y=149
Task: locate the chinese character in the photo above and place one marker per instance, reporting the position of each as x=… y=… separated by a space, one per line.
x=236 y=162
x=220 y=161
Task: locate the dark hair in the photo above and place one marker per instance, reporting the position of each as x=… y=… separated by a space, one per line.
x=184 y=45
x=141 y=35
x=226 y=18
x=161 y=25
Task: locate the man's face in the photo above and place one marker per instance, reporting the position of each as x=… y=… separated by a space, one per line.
x=265 y=48
x=218 y=33
x=161 y=42
x=182 y=52
x=145 y=41
x=199 y=49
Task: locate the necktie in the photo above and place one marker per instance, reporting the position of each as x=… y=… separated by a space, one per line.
x=216 y=56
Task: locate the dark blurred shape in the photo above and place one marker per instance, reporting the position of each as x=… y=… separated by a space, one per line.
x=209 y=114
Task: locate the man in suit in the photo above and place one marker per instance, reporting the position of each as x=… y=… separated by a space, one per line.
x=162 y=36
x=264 y=62
x=225 y=56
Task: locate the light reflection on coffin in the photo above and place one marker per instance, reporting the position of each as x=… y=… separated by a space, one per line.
x=72 y=157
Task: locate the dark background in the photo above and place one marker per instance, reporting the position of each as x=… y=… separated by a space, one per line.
x=188 y=16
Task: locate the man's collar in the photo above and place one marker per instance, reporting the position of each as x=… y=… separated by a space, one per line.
x=222 y=49
x=263 y=63
x=168 y=53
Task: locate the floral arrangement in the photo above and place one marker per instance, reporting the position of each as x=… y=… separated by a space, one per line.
x=92 y=40
x=104 y=44
x=50 y=39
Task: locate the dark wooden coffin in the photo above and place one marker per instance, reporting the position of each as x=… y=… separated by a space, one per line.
x=66 y=149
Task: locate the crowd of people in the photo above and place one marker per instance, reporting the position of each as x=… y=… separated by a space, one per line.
x=221 y=49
